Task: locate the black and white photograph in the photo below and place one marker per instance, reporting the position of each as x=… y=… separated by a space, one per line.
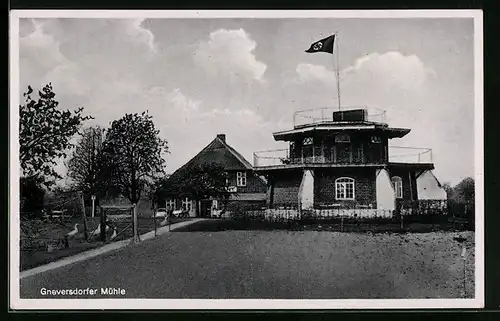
x=246 y=159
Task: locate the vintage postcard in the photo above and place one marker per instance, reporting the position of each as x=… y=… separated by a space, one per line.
x=246 y=159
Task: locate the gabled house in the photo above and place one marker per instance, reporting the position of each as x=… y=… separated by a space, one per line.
x=244 y=185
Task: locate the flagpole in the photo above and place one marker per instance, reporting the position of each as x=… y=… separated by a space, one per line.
x=336 y=56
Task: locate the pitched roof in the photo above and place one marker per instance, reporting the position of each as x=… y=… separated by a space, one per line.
x=220 y=153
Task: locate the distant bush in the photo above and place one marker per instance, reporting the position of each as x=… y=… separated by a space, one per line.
x=32 y=198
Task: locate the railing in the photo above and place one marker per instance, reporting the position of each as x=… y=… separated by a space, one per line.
x=397 y=154
x=271 y=157
x=325 y=115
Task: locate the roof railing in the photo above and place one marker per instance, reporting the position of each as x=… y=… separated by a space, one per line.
x=325 y=115
x=397 y=154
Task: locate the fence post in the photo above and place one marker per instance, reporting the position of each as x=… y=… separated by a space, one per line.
x=154 y=216
x=103 y=225
x=464 y=268
x=93 y=205
x=85 y=232
x=136 y=235
x=342 y=223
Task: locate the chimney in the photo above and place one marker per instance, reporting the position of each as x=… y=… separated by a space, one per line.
x=222 y=137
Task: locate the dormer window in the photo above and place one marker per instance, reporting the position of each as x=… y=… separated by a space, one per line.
x=307 y=141
x=376 y=139
x=342 y=138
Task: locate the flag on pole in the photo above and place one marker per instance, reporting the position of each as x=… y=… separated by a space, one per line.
x=323 y=45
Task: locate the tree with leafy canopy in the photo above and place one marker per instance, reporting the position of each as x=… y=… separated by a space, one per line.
x=45 y=132
x=86 y=166
x=198 y=182
x=133 y=152
x=461 y=199
x=464 y=191
x=448 y=189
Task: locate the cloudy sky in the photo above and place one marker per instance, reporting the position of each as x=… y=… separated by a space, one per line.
x=246 y=77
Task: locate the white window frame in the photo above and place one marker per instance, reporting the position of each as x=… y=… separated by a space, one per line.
x=341 y=188
x=397 y=184
x=241 y=179
x=186 y=204
x=307 y=141
x=170 y=203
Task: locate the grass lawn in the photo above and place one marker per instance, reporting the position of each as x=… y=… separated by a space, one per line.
x=37 y=234
x=277 y=265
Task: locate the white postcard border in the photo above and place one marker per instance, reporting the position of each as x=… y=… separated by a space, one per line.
x=261 y=304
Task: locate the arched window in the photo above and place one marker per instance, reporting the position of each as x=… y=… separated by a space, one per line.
x=397 y=183
x=344 y=188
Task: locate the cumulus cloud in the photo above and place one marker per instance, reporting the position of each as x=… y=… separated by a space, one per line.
x=230 y=53
x=38 y=47
x=181 y=118
x=138 y=33
x=182 y=101
x=393 y=68
x=390 y=81
x=315 y=73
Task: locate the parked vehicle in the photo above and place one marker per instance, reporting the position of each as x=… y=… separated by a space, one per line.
x=161 y=213
x=180 y=213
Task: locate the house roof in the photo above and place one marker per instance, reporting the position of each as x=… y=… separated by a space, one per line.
x=299 y=131
x=220 y=153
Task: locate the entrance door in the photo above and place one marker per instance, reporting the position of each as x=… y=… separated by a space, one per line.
x=205 y=206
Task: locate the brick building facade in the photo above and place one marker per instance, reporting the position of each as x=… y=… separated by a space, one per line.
x=345 y=162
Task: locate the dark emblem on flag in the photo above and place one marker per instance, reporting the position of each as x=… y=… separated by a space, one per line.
x=317 y=46
x=323 y=45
